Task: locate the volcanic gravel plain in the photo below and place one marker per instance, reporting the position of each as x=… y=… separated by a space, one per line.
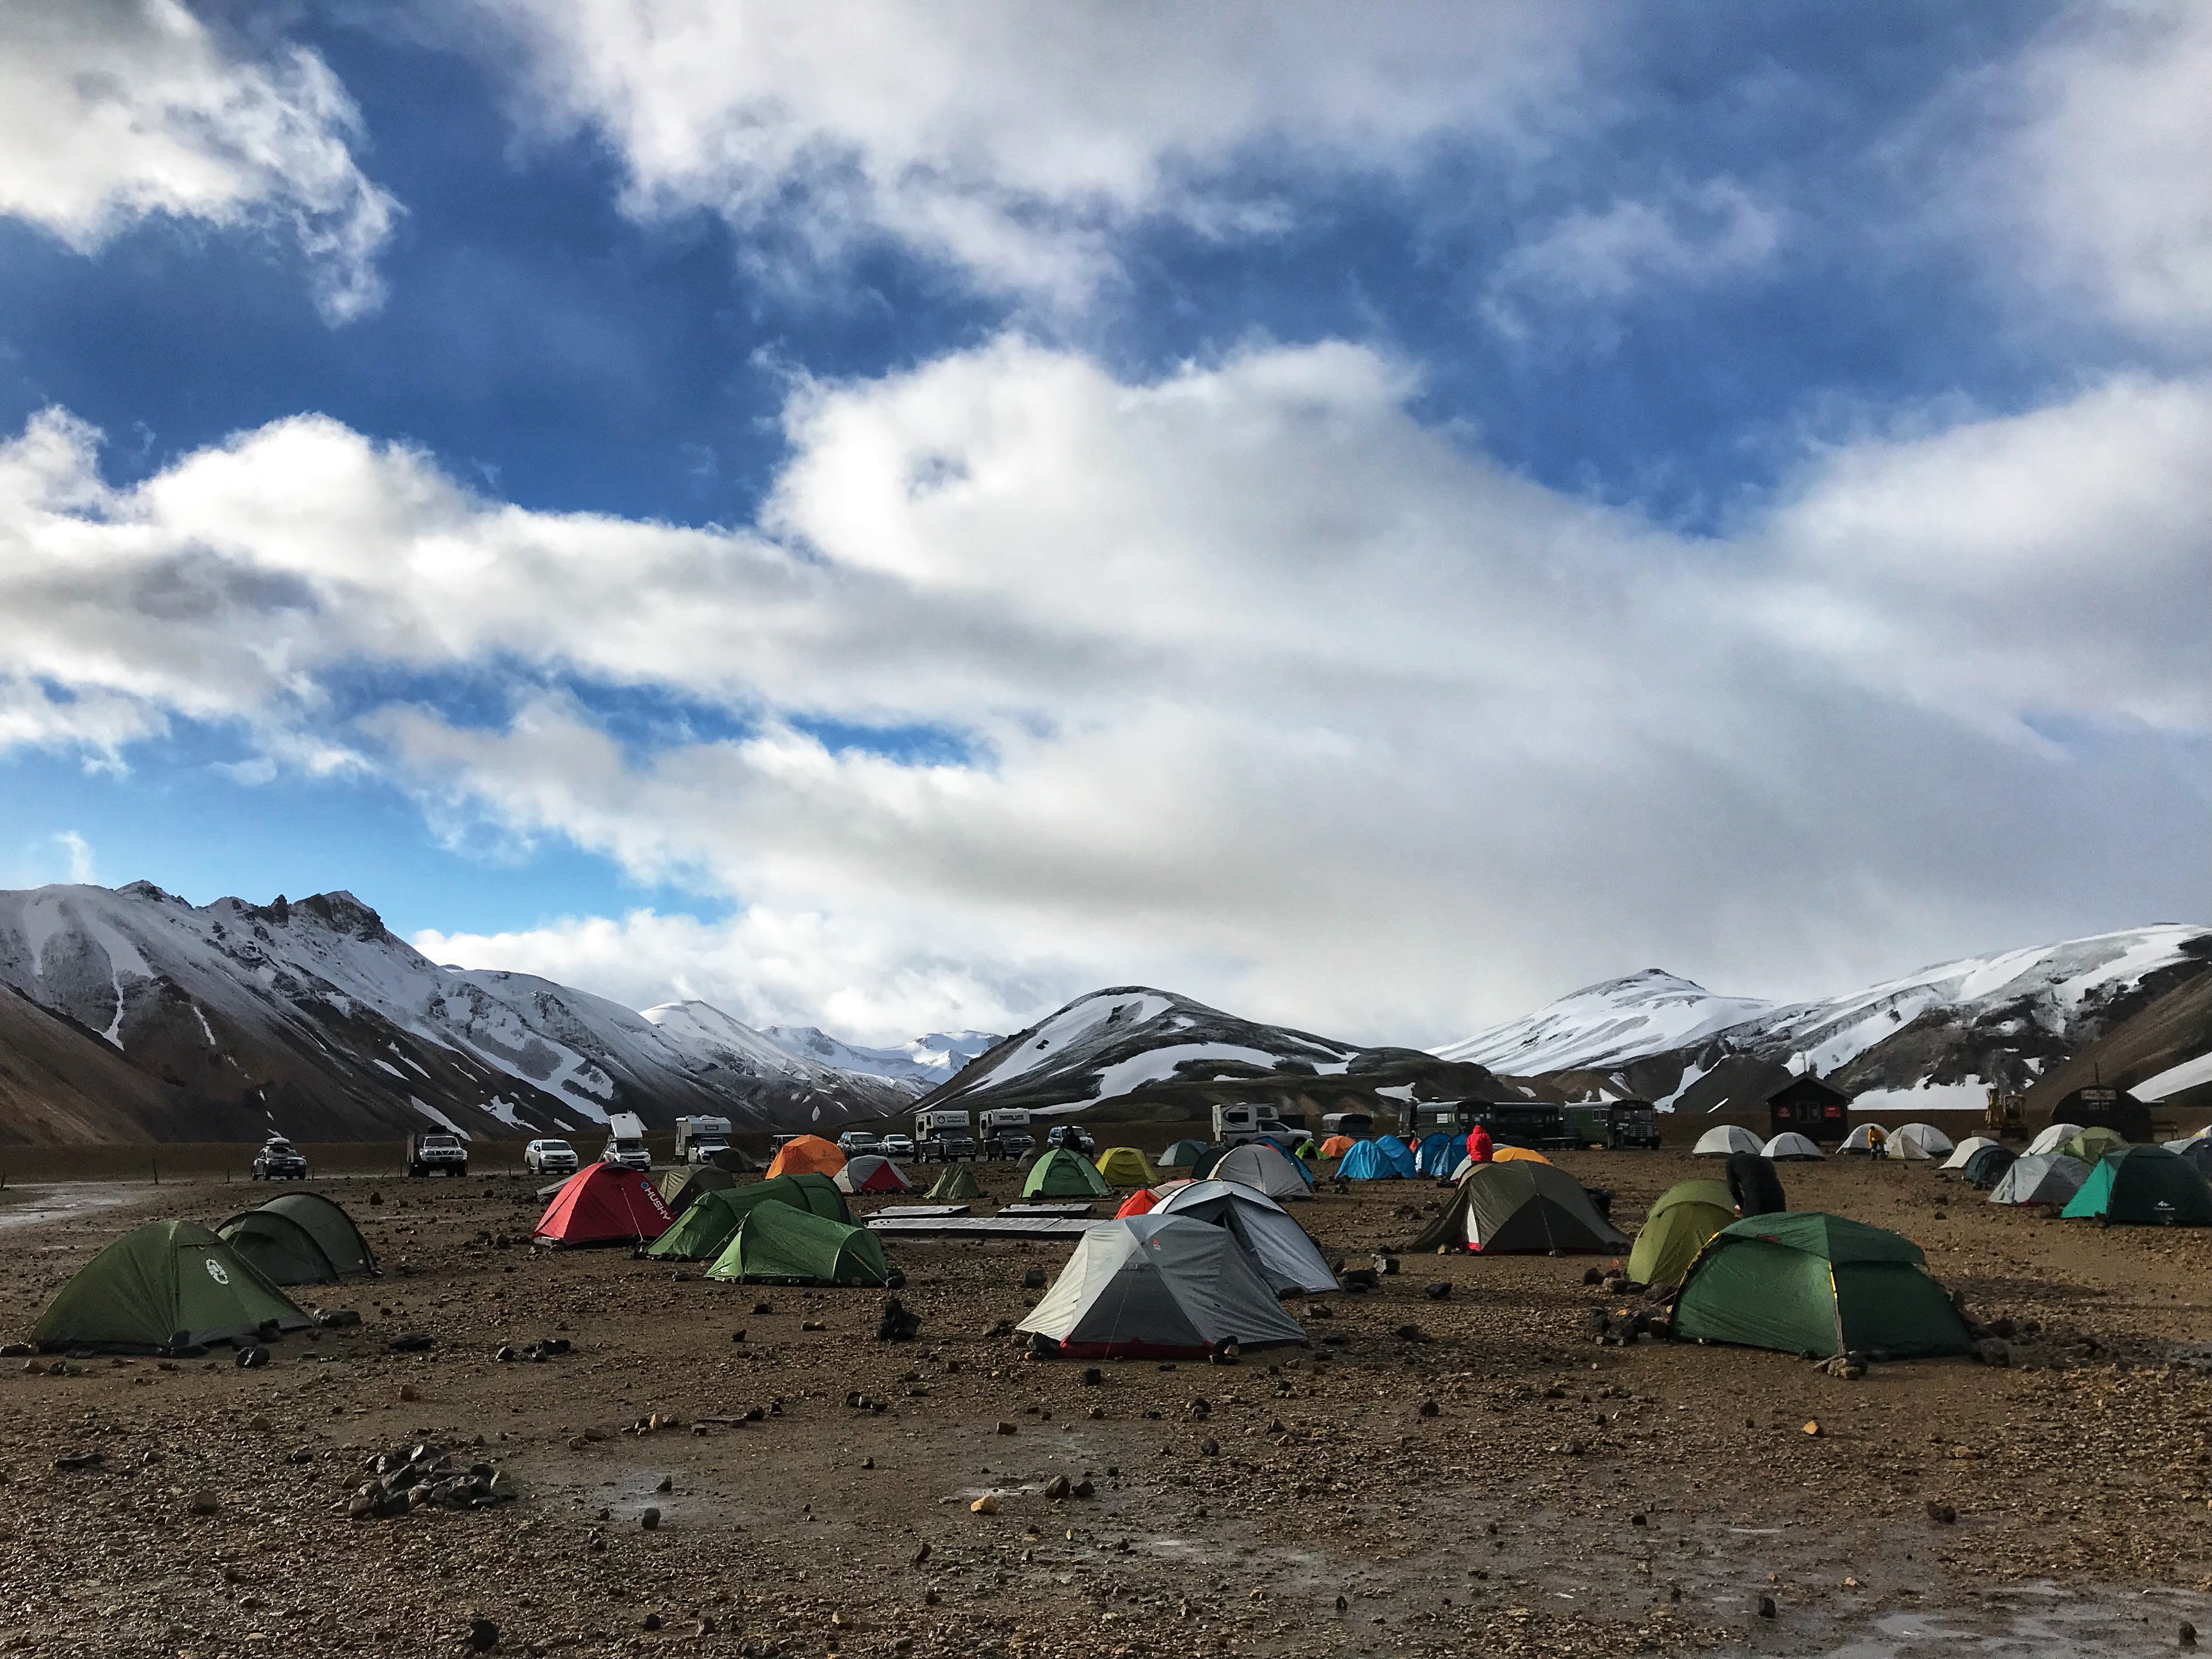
x=1492 y=1483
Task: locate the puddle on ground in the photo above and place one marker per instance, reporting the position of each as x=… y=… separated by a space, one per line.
x=30 y=1206
x=2030 y=1621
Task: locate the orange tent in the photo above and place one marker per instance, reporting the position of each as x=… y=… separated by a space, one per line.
x=1336 y=1146
x=1511 y=1154
x=806 y=1155
x=1137 y=1202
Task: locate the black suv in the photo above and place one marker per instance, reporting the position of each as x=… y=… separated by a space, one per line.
x=279 y=1160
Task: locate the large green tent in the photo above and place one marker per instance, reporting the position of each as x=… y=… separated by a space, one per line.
x=686 y=1184
x=1183 y=1154
x=954 y=1182
x=2143 y=1186
x=2091 y=1144
x=1062 y=1173
x=334 y=1230
x=168 y=1287
x=702 y=1232
x=1688 y=1214
x=777 y=1243
x=1803 y=1282
x=1519 y=1207
x=281 y=1249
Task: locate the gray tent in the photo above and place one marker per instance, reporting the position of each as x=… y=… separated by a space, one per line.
x=1166 y=1288
x=1263 y=1168
x=1725 y=1140
x=1286 y=1258
x=1520 y=1206
x=2040 y=1178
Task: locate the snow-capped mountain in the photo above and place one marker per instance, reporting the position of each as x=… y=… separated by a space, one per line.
x=1141 y=1050
x=927 y=1061
x=1935 y=1038
x=314 y=1019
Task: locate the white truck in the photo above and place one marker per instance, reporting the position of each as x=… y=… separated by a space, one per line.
x=1234 y=1125
x=1004 y=1133
x=698 y=1138
x=626 y=1142
x=944 y=1135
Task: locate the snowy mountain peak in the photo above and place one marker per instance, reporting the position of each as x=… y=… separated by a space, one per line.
x=1606 y=1024
x=927 y=1060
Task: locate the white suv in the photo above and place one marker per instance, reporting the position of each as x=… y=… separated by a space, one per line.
x=549 y=1157
x=854 y=1142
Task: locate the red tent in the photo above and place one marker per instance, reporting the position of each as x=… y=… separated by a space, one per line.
x=1137 y=1202
x=604 y=1204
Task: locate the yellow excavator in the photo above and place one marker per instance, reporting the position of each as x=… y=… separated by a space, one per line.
x=2002 y=1117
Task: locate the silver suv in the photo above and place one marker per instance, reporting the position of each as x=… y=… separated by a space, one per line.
x=549 y=1157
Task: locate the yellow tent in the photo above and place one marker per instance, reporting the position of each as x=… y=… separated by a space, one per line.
x=1515 y=1154
x=1125 y=1166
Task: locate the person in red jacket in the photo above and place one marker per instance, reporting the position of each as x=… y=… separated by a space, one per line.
x=1478 y=1144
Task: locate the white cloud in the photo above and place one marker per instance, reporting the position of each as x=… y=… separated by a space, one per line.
x=1014 y=142
x=2089 y=175
x=1689 y=236
x=1265 y=690
x=115 y=111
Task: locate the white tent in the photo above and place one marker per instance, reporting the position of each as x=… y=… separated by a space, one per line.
x=1725 y=1140
x=1287 y=1259
x=1264 y=1169
x=871 y=1174
x=1790 y=1147
x=2054 y=1136
x=1866 y=1138
x=1965 y=1150
x=2040 y=1178
x=1166 y=1286
x=1918 y=1141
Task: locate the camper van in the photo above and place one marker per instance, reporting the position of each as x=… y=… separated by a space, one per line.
x=1358 y=1125
x=626 y=1142
x=698 y=1138
x=1006 y=1134
x=946 y=1135
x=1234 y=1125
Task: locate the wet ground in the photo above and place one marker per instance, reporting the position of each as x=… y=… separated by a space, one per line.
x=1562 y=1498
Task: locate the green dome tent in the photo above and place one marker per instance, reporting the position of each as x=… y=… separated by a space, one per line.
x=704 y=1229
x=169 y=1286
x=1525 y=1206
x=280 y=1250
x=685 y=1185
x=2143 y=1186
x=1687 y=1214
x=1802 y=1282
x=777 y=1243
x=954 y=1184
x=2092 y=1144
x=1183 y=1154
x=299 y=1238
x=1062 y=1173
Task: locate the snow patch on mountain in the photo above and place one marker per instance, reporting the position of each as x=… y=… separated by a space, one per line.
x=927 y=1061
x=1619 y=1019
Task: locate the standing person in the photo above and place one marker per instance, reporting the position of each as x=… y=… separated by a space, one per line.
x=1478 y=1145
x=1753 y=1185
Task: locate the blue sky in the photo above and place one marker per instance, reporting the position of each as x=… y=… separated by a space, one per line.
x=895 y=517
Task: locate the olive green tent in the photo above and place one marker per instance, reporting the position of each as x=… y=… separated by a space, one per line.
x=1802 y=1282
x=684 y=1187
x=1688 y=1214
x=2092 y=1144
x=1183 y=1154
x=334 y=1230
x=2143 y=1186
x=168 y=1287
x=704 y=1230
x=955 y=1181
x=777 y=1243
x=1062 y=1173
x=281 y=1249
x=736 y=1160
x=1518 y=1208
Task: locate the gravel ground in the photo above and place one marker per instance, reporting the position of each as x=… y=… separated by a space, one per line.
x=1559 y=1497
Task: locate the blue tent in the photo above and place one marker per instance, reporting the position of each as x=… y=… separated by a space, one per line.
x=1440 y=1154
x=1382 y=1159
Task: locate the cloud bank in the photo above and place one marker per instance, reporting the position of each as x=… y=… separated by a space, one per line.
x=1241 y=678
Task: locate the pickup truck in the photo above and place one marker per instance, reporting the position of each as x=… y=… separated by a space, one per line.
x=437 y=1151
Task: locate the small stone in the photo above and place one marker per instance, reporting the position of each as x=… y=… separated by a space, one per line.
x=1813 y=1427
x=1942 y=1515
x=1057 y=1488
x=1092 y=1376
x=483 y=1635
x=205 y=1501
x=650 y=1520
x=1033 y=1279
x=987 y=1504
x=1209 y=1448
x=408 y=1394
x=1767 y=1607
x=1429 y=1409
x=650 y=1621
x=667 y=1484
x=1005 y=1427
x=1437 y=1290
x=2188 y=1634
